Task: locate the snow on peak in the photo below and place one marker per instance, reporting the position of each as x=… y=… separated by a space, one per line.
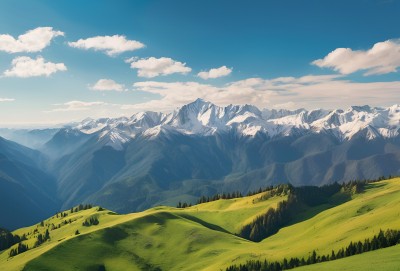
x=114 y=138
x=205 y=118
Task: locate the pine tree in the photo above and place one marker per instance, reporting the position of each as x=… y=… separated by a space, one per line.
x=47 y=235
x=333 y=256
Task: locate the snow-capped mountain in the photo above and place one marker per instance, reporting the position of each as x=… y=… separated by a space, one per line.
x=205 y=118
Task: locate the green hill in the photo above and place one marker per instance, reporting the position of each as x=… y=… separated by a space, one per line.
x=203 y=237
x=386 y=259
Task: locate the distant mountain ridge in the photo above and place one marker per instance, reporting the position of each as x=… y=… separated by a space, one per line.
x=27 y=192
x=204 y=118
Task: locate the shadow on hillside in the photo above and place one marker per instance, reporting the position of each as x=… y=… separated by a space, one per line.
x=204 y=223
x=303 y=203
x=307 y=212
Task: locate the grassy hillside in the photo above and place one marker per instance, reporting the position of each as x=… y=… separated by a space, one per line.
x=387 y=259
x=201 y=237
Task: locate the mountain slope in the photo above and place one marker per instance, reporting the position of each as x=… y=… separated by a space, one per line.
x=34 y=139
x=26 y=191
x=386 y=259
x=147 y=172
x=196 y=238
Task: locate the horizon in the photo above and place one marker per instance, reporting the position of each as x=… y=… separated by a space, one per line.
x=62 y=64
x=58 y=125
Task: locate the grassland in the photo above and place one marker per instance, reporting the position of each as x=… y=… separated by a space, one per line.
x=202 y=237
x=386 y=259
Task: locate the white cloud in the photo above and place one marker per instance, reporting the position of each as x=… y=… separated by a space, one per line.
x=326 y=91
x=383 y=57
x=6 y=100
x=288 y=105
x=215 y=73
x=312 y=91
x=111 y=45
x=24 y=66
x=152 y=67
x=33 y=40
x=107 y=85
x=76 y=106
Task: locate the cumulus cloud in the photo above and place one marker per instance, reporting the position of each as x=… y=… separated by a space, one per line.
x=6 y=100
x=33 y=40
x=107 y=85
x=111 y=45
x=215 y=73
x=152 y=67
x=76 y=106
x=310 y=91
x=383 y=57
x=24 y=66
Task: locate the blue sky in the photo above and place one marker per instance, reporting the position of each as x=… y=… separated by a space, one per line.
x=113 y=58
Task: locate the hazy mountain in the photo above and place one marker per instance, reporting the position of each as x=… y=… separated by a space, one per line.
x=34 y=139
x=27 y=193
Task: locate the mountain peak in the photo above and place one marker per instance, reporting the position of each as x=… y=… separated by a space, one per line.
x=364 y=108
x=200 y=100
x=199 y=103
x=202 y=117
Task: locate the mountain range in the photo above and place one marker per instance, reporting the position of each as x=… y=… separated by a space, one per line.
x=205 y=119
x=132 y=163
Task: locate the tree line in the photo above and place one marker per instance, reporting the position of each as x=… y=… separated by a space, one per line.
x=204 y=199
x=21 y=248
x=80 y=207
x=299 y=198
x=41 y=238
x=274 y=190
x=354 y=186
x=7 y=239
x=91 y=221
x=269 y=223
x=381 y=240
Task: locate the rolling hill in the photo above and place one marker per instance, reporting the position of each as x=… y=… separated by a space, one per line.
x=204 y=236
x=386 y=259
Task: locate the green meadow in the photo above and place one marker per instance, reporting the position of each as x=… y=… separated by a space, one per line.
x=202 y=237
x=386 y=259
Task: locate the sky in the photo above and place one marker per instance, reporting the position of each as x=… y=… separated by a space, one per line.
x=65 y=60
